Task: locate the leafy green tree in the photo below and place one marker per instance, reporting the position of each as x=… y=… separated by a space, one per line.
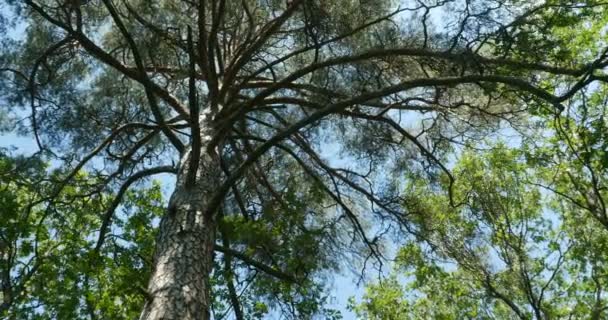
x=574 y=161
x=241 y=101
x=48 y=265
x=383 y=300
x=503 y=253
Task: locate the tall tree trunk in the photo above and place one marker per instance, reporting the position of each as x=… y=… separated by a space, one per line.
x=179 y=287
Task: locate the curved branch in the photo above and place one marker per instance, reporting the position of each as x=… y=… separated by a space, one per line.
x=32 y=84
x=107 y=217
x=455 y=57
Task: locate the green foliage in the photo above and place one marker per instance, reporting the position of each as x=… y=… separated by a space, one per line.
x=49 y=267
x=382 y=301
x=509 y=250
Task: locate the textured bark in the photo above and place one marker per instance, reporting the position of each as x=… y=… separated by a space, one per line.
x=179 y=287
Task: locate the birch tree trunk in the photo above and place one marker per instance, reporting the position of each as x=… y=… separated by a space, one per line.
x=179 y=287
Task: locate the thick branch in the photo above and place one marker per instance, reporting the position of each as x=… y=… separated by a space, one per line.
x=256 y=264
x=196 y=142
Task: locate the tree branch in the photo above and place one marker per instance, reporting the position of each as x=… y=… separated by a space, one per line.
x=258 y=265
x=107 y=217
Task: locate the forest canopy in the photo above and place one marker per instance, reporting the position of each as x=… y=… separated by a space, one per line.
x=230 y=159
